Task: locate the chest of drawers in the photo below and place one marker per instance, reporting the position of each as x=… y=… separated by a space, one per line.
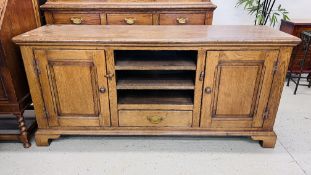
x=128 y=12
x=156 y=80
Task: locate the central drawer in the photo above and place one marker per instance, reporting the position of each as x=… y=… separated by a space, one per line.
x=129 y=19
x=155 y=118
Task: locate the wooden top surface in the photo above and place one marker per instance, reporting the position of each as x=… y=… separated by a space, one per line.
x=117 y=4
x=147 y=34
x=299 y=21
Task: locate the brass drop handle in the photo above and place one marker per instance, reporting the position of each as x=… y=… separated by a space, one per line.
x=155 y=119
x=110 y=76
x=76 y=20
x=182 y=20
x=102 y=90
x=130 y=21
x=208 y=90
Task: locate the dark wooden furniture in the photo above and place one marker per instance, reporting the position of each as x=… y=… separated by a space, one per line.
x=9 y=128
x=39 y=14
x=16 y=17
x=156 y=80
x=295 y=27
x=129 y=12
x=295 y=75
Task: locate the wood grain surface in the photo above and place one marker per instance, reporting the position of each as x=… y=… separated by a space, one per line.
x=207 y=80
x=156 y=35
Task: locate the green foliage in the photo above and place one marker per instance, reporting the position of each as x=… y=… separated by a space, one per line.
x=264 y=11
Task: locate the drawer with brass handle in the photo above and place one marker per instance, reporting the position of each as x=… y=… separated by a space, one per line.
x=129 y=19
x=157 y=118
x=182 y=19
x=76 y=18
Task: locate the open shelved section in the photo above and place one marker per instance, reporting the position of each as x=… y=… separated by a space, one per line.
x=161 y=79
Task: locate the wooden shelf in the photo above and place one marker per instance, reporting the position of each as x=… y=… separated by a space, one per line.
x=155 y=60
x=181 y=100
x=155 y=64
x=156 y=84
x=156 y=80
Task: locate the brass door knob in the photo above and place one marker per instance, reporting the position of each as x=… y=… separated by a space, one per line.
x=76 y=20
x=208 y=90
x=182 y=20
x=102 y=90
x=130 y=21
x=155 y=119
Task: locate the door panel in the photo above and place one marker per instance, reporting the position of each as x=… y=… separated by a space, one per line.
x=69 y=85
x=71 y=80
x=237 y=87
x=228 y=101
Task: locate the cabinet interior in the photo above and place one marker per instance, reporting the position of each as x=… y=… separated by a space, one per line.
x=165 y=77
x=152 y=80
x=136 y=99
x=155 y=60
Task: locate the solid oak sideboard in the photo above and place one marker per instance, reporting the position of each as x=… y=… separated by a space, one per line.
x=129 y=12
x=156 y=80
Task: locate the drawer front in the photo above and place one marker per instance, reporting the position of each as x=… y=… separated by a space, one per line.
x=182 y=19
x=76 y=18
x=129 y=19
x=155 y=118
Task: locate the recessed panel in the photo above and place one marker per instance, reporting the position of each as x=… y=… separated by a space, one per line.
x=73 y=88
x=237 y=88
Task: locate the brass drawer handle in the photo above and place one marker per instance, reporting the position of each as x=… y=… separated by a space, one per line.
x=155 y=119
x=208 y=90
x=102 y=90
x=182 y=20
x=110 y=76
x=76 y=20
x=130 y=21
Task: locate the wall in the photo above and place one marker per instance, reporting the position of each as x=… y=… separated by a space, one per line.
x=227 y=14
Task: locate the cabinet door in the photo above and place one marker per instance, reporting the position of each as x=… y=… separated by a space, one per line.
x=236 y=88
x=74 y=87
